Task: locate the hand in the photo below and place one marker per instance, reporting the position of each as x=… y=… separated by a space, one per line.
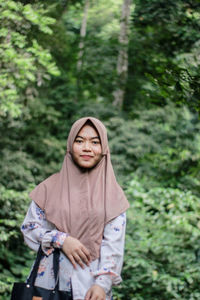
x=96 y=292
x=76 y=252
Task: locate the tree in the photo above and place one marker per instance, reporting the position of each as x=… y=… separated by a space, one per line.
x=98 y=72
x=81 y=47
x=122 y=61
x=82 y=36
x=163 y=61
x=24 y=62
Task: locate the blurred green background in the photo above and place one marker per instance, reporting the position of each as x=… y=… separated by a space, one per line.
x=51 y=75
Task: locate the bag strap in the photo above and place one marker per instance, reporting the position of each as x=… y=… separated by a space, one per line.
x=56 y=254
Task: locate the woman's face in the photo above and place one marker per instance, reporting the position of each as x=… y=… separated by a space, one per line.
x=87 y=150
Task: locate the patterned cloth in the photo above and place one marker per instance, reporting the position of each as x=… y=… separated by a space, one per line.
x=104 y=271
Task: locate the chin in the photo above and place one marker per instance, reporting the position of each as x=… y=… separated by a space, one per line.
x=86 y=166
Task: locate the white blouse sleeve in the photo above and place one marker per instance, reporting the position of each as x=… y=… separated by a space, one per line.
x=111 y=255
x=37 y=230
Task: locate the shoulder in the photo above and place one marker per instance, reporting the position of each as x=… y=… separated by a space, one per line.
x=50 y=180
x=39 y=193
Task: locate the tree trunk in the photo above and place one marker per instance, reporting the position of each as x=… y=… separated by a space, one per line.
x=122 y=61
x=82 y=36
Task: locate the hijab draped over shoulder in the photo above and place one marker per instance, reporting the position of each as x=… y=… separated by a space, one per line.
x=81 y=201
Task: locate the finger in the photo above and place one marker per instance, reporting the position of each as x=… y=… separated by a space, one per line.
x=95 y=297
x=72 y=261
x=88 y=295
x=83 y=257
x=86 y=252
x=93 y=294
x=78 y=260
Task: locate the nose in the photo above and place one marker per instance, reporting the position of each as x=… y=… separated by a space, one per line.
x=86 y=146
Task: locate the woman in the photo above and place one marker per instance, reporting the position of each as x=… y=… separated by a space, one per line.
x=80 y=210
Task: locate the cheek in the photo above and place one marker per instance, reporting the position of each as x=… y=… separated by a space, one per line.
x=98 y=150
x=75 y=149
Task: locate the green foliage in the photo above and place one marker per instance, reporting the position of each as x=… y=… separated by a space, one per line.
x=161 y=145
x=24 y=62
x=163 y=60
x=15 y=259
x=95 y=82
x=162 y=245
x=17 y=172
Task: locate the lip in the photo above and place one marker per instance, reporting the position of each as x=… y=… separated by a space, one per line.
x=87 y=157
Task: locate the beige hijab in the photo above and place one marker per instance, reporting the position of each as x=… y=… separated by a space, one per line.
x=81 y=201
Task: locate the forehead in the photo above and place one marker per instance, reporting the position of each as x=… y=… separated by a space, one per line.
x=88 y=131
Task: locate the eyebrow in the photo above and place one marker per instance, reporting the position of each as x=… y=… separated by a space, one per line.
x=92 y=138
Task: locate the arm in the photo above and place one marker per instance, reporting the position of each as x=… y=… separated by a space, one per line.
x=111 y=256
x=37 y=230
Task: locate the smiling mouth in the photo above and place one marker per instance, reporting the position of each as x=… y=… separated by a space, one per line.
x=86 y=156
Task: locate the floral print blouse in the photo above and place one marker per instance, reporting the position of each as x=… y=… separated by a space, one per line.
x=104 y=271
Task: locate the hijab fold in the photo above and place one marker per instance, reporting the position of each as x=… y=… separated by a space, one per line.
x=81 y=201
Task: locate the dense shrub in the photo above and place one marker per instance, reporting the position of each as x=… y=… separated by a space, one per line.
x=15 y=258
x=162 y=256
x=160 y=144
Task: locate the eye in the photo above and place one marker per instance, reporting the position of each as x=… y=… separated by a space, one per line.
x=96 y=142
x=78 y=141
